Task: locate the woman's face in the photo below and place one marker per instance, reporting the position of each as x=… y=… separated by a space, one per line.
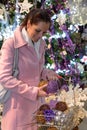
x=36 y=32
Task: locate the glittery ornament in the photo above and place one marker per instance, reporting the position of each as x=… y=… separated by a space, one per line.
x=40 y=117
x=49 y=115
x=53 y=86
x=44 y=107
x=61 y=106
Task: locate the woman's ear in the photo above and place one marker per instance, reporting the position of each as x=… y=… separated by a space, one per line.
x=28 y=24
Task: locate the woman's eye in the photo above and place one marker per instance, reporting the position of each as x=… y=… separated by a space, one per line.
x=44 y=33
x=37 y=31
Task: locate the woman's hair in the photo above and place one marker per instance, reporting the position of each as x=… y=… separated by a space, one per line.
x=37 y=15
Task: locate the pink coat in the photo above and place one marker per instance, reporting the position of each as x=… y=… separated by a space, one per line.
x=23 y=102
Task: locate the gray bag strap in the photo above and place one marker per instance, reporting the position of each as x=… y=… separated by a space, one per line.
x=15 y=65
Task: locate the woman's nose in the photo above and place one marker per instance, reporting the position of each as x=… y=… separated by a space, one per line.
x=41 y=34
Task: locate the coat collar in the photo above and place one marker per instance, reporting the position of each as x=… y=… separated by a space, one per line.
x=26 y=37
x=18 y=38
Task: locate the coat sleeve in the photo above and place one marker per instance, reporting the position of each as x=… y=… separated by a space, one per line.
x=6 y=78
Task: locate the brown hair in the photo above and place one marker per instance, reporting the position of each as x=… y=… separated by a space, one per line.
x=37 y=15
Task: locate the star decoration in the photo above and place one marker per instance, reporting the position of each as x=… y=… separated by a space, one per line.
x=25 y=6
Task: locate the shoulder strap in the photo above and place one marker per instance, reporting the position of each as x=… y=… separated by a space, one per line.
x=15 y=65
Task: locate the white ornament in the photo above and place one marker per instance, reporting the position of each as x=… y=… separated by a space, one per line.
x=61 y=18
x=25 y=6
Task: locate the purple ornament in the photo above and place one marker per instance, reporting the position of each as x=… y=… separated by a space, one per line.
x=49 y=115
x=53 y=86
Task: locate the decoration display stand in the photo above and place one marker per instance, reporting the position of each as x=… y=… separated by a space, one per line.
x=69 y=119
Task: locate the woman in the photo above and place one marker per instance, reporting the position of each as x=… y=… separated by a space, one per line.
x=26 y=96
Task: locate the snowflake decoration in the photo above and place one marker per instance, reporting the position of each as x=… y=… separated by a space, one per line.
x=74 y=97
x=25 y=6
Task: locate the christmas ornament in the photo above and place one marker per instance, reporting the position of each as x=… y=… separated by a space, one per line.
x=25 y=6
x=53 y=86
x=61 y=18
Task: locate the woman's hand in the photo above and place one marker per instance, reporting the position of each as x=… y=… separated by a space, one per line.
x=42 y=92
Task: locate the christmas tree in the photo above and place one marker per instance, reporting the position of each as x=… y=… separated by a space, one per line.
x=65 y=47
